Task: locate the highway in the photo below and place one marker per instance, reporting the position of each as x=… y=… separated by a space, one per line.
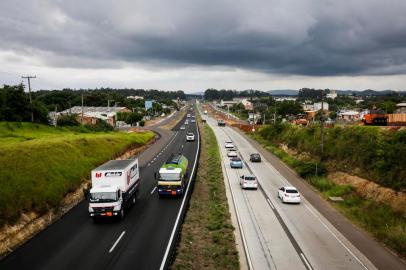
x=277 y=235
x=143 y=240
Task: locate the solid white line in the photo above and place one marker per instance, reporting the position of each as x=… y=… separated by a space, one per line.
x=168 y=247
x=335 y=236
x=153 y=190
x=307 y=263
x=118 y=240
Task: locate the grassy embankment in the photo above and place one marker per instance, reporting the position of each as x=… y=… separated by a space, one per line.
x=40 y=164
x=386 y=224
x=207 y=238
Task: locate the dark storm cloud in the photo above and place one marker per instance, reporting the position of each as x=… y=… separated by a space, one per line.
x=305 y=37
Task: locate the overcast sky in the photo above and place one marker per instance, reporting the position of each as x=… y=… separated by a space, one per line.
x=194 y=45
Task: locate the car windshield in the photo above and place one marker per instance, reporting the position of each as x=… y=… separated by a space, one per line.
x=103 y=197
x=249 y=178
x=169 y=177
x=255 y=155
x=190 y=134
x=291 y=191
x=236 y=159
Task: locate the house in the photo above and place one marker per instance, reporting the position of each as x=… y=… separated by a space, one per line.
x=349 y=115
x=280 y=99
x=135 y=97
x=332 y=94
x=401 y=108
x=92 y=114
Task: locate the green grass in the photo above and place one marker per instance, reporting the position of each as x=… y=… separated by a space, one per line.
x=207 y=238
x=41 y=164
x=379 y=219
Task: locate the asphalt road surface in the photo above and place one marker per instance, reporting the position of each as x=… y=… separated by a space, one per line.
x=140 y=241
x=277 y=235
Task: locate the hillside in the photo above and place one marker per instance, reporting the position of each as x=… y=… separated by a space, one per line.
x=40 y=164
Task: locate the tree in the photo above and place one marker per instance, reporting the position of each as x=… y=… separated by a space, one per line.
x=133 y=118
x=288 y=107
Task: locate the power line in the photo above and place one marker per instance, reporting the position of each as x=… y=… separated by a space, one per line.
x=28 y=77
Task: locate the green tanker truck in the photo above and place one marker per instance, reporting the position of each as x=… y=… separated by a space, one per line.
x=172 y=176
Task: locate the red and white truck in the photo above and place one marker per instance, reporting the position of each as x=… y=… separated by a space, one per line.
x=115 y=185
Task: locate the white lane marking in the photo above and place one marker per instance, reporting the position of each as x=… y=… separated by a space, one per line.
x=168 y=247
x=153 y=190
x=311 y=211
x=305 y=260
x=335 y=236
x=118 y=240
x=270 y=203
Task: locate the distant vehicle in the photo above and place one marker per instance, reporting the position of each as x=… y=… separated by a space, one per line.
x=115 y=185
x=229 y=145
x=289 y=195
x=248 y=181
x=172 y=176
x=193 y=116
x=221 y=123
x=235 y=162
x=205 y=111
x=228 y=141
x=182 y=127
x=188 y=115
x=193 y=121
x=163 y=114
x=190 y=137
x=232 y=154
x=375 y=117
x=186 y=122
x=255 y=157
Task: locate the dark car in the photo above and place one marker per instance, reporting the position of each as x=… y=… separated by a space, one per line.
x=255 y=157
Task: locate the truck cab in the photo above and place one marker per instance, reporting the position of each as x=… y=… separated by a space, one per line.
x=105 y=202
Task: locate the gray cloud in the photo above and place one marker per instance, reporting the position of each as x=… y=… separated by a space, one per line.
x=299 y=37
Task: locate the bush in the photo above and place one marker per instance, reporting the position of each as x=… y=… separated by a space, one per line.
x=101 y=125
x=68 y=120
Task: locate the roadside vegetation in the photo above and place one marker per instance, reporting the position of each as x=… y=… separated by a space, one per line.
x=40 y=164
x=207 y=237
x=382 y=221
x=369 y=152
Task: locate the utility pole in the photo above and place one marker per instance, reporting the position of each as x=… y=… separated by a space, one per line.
x=28 y=77
x=274 y=114
x=56 y=117
x=322 y=124
x=81 y=118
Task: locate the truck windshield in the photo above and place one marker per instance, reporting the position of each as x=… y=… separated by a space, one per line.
x=169 y=177
x=103 y=197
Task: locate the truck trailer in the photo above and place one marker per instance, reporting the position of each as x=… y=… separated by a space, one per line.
x=172 y=176
x=115 y=185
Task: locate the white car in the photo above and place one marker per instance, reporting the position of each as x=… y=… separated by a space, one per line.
x=229 y=145
x=182 y=127
x=228 y=141
x=190 y=137
x=249 y=181
x=289 y=195
x=193 y=121
x=232 y=154
x=186 y=122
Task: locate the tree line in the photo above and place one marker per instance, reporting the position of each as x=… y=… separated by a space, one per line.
x=15 y=103
x=214 y=94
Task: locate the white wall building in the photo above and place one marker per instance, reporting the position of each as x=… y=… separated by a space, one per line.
x=317 y=106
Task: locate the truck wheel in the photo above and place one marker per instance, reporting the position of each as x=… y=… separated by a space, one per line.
x=122 y=213
x=133 y=199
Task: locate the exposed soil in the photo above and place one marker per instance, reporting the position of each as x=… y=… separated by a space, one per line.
x=371 y=190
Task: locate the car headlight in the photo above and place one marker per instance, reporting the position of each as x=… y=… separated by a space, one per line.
x=91 y=209
x=117 y=208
